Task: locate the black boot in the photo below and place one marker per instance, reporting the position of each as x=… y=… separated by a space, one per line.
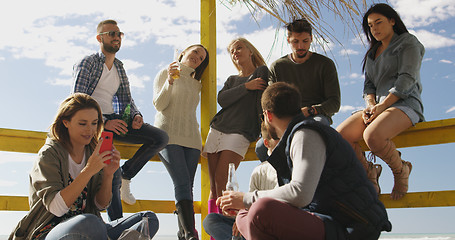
x=185 y=213
x=181 y=232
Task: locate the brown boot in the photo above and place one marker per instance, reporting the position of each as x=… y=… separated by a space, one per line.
x=401 y=169
x=373 y=170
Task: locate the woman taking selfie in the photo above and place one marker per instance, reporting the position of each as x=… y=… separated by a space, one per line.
x=71 y=181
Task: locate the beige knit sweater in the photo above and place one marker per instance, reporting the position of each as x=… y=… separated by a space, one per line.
x=176 y=107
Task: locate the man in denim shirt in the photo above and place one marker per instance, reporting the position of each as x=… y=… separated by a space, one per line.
x=102 y=76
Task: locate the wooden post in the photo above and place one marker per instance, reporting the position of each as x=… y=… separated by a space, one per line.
x=208 y=95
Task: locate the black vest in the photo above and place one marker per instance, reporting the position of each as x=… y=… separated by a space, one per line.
x=345 y=199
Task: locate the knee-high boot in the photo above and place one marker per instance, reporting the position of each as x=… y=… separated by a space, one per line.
x=185 y=214
x=373 y=170
x=181 y=232
x=400 y=169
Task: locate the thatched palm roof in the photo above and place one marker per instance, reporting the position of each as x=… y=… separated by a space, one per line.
x=348 y=11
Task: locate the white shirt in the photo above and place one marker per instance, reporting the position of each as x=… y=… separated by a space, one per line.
x=263 y=177
x=105 y=90
x=58 y=206
x=308 y=155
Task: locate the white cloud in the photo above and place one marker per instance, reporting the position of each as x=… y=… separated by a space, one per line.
x=130 y=64
x=351 y=79
x=137 y=81
x=2 y=58
x=6 y=183
x=445 y=61
x=348 y=108
x=428 y=39
x=61 y=81
x=62 y=34
x=451 y=109
x=347 y=83
x=356 y=75
x=359 y=39
x=347 y=52
x=14 y=157
x=417 y=13
x=427 y=59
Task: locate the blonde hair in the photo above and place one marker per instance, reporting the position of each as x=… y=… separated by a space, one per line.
x=257 y=58
x=68 y=108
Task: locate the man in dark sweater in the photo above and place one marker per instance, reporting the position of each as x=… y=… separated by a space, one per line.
x=313 y=74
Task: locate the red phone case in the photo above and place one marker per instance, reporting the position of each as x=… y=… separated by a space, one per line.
x=106 y=145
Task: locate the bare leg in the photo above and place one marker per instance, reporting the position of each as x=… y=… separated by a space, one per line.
x=352 y=131
x=352 y=128
x=377 y=136
x=221 y=174
x=212 y=159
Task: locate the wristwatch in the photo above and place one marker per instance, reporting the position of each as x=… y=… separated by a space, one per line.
x=312 y=111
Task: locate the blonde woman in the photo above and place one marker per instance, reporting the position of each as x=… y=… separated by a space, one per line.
x=237 y=124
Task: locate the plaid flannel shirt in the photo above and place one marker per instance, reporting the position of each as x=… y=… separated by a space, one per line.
x=87 y=73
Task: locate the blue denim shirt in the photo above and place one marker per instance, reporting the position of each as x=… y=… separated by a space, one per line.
x=87 y=73
x=397 y=71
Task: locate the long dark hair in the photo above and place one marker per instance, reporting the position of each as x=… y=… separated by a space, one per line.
x=388 y=12
x=200 y=69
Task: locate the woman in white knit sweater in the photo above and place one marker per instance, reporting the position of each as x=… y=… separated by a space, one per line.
x=176 y=101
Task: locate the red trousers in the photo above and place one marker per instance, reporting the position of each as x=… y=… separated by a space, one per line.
x=269 y=218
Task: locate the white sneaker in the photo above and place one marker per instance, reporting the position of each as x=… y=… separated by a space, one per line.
x=125 y=192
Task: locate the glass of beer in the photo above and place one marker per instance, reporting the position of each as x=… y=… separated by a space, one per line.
x=176 y=74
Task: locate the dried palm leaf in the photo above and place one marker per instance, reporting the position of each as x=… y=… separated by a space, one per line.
x=286 y=11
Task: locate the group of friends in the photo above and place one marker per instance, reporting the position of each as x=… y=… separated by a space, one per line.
x=314 y=181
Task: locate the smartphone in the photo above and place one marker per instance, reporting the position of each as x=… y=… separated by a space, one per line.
x=106 y=145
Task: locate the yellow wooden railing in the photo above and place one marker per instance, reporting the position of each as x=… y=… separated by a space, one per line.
x=427 y=133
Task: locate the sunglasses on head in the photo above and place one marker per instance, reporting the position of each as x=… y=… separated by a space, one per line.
x=113 y=34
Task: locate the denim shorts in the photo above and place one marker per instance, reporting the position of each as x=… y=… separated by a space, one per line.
x=218 y=141
x=412 y=115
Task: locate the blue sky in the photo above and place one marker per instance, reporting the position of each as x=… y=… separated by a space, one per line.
x=43 y=39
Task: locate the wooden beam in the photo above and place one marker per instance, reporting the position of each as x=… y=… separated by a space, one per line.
x=423 y=134
x=20 y=203
x=410 y=200
x=208 y=95
x=421 y=199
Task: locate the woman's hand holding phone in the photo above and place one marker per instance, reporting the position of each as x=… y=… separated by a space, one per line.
x=106 y=144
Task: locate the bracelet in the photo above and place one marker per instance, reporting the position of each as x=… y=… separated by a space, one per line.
x=312 y=111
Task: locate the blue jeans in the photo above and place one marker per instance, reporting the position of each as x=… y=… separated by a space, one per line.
x=153 y=140
x=218 y=226
x=90 y=227
x=181 y=163
x=261 y=150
